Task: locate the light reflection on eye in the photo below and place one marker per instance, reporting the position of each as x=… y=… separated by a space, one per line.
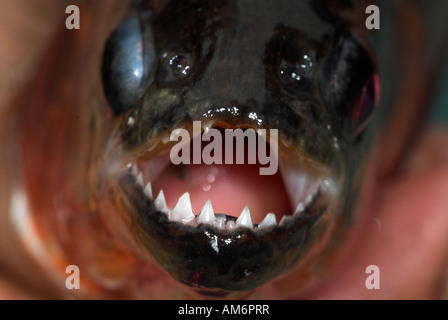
x=175 y=66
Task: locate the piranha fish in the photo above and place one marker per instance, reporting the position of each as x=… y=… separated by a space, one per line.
x=97 y=189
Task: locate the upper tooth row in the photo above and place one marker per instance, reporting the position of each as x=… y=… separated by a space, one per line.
x=183 y=212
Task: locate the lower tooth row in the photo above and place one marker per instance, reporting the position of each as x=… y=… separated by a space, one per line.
x=183 y=212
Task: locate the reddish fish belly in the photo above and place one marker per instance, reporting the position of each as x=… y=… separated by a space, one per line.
x=402 y=228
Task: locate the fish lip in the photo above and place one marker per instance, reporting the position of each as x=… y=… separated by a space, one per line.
x=206 y=257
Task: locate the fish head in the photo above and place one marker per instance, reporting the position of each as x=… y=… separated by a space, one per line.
x=285 y=83
x=287 y=74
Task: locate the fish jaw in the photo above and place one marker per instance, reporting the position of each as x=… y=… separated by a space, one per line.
x=214 y=252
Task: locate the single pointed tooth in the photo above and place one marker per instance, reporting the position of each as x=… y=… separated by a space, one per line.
x=140 y=179
x=245 y=219
x=231 y=225
x=134 y=170
x=308 y=199
x=148 y=190
x=295 y=180
x=207 y=215
x=284 y=220
x=220 y=221
x=300 y=208
x=299 y=182
x=269 y=220
x=182 y=211
x=161 y=203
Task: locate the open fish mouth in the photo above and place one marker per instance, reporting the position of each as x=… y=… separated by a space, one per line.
x=186 y=215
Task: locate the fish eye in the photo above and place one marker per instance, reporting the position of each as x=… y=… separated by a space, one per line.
x=295 y=76
x=349 y=84
x=129 y=61
x=290 y=59
x=175 y=67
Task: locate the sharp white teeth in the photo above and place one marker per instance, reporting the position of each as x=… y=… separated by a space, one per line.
x=148 y=190
x=300 y=208
x=245 y=219
x=140 y=179
x=302 y=186
x=231 y=225
x=134 y=170
x=308 y=199
x=207 y=215
x=269 y=220
x=285 y=220
x=161 y=203
x=220 y=221
x=182 y=211
x=295 y=180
